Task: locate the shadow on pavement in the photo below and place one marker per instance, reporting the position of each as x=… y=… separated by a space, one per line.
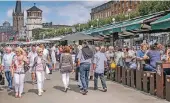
x=59 y=88
x=73 y=79
x=29 y=82
x=33 y=91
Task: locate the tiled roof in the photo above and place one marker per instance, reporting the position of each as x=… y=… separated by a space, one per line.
x=34 y=8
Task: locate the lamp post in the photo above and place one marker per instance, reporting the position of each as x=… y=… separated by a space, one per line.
x=97 y=22
x=65 y=30
x=129 y=10
x=91 y=26
x=79 y=27
x=113 y=20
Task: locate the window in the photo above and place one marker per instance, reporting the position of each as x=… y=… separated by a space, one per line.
x=127 y=4
x=130 y=3
x=123 y=5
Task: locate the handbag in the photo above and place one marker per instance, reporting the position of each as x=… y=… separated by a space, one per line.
x=67 y=68
x=47 y=71
x=26 y=67
x=2 y=79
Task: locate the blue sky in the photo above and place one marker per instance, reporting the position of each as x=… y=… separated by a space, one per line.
x=59 y=12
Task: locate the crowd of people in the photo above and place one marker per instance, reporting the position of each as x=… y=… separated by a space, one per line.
x=88 y=61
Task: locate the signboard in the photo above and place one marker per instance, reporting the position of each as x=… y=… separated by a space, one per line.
x=123 y=29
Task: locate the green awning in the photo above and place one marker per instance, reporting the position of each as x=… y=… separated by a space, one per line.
x=162 y=23
x=136 y=24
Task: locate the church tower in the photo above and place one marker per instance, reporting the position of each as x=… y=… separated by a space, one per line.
x=34 y=19
x=18 y=17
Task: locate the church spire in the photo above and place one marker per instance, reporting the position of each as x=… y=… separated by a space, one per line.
x=18 y=7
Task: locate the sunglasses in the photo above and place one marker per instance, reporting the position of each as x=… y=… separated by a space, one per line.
x=40 y=51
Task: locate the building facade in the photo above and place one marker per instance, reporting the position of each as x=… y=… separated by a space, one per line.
x=112 y=8
x=51 y=25
x=18 y=17
x=34 y=20
x=7 y=33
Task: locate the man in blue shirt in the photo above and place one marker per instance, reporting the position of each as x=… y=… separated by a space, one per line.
x=84 y=61
x=99 y=63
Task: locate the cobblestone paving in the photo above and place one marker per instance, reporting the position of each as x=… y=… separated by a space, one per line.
x=116 y=93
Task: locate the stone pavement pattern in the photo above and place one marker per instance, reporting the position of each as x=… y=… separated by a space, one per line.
x=116 y=93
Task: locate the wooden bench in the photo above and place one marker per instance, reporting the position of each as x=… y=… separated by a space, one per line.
x=128 y=79
x=167 y=87
x=124 y=75
x=133 y=78
x=146 y=81
x=160 y=78
x=152 y=83
x=119 y=74
x=139 y=75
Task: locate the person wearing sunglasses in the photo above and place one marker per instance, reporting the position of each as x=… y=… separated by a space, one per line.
x=18 y=71
x=39 y=67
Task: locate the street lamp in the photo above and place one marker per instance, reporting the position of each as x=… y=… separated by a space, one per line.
x=97 y=22
x=65 y=30
x=91 y=26
x=113 y=20
x=79 y=27
x=129 y=10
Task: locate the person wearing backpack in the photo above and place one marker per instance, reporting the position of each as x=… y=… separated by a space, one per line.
x=84 y=61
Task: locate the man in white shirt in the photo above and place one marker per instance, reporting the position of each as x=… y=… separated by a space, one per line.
x=6 y=65
x=31 y=57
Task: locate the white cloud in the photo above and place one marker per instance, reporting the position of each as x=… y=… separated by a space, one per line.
x=75 y=13
x=45 y=9
x=93 y=3
x=9 y=13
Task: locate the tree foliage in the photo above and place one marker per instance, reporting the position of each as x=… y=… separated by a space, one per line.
x=144 y=8
x=42 y=33
x=147 y=7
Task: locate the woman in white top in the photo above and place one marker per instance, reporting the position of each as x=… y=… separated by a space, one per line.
x=18 y=71
x=40 y=66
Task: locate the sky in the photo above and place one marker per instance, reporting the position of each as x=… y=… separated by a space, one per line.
x=58 y=12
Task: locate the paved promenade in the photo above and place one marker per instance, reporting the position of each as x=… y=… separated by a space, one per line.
x=116 y=94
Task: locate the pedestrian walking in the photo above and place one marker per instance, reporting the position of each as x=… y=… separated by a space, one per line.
x=40 y=67
x=6 y=65
x=99 y=64
x=31 y=57
x=66 y=66
x=18 y=72
x=84 y=58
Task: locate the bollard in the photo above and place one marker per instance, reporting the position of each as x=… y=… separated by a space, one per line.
x=128 y=77
x=139 y=75
x=119 y=74
x=146 y=81
x=124 y=75
x=168 y=87
x=116 y=74
x=152 y=83
x=133 y=78
x=160 y=78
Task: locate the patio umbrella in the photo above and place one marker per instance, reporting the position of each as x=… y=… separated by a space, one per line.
x=79 y=36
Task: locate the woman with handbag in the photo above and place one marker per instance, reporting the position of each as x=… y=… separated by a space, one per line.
x=40 y=68
x=18 y=71
x=66 y=66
